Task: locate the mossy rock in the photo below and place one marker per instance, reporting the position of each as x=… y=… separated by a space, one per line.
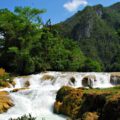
x=18 y=89
x=92 y=102
x=5 y=79
x=115 y=78
x=27 y=84
x=13 y=83
x=47 y=77
x=90 y=116
x=57 y=107
x=72 y=103
x=65 y=90
x=2 y=72
x=70 y=99
x=78 y=103
x=5 y=101
x=111 y=110
x=72 y=80
x=4 y=84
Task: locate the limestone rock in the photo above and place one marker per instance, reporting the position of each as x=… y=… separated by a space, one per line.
x=115 y=78
x=57 y=107
x=111 y=110
x=18 y=89
x=87 y=81
x=88 y=104
x=47 y=77
x=90 y=116
x=5 y=101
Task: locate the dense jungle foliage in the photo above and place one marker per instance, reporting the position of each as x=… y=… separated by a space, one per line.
x=27 y=46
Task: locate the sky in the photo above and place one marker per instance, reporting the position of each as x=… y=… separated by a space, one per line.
x=57 y=10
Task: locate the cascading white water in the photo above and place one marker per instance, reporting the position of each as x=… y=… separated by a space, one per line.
x=40 y=97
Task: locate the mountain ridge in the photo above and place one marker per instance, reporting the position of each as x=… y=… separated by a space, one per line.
x=95 y=28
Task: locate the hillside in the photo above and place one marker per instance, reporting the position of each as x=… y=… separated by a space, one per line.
x=25 y=48
x=96 y=29
x=89 y=41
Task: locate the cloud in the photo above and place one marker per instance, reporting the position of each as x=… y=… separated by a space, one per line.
x=73 y=5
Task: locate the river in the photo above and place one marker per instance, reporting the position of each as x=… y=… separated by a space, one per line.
x=40 y=97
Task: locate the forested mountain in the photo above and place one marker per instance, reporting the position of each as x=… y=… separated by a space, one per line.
x=97 y=31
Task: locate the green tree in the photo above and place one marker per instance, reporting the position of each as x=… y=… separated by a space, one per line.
x=92 y=65
x=20 y=30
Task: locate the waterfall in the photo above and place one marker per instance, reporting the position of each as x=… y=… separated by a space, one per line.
x=40 y=97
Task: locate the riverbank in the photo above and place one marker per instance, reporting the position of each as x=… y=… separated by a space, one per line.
x=88 y=104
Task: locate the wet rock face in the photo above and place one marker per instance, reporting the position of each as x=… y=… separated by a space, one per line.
x=68 y=101
x=19 y=89
x=90 y=116
x=27 y=84
x=88 y=81
x=111 y=109
x=47 y=77
x=64 y=91
x=57 y=107
x=5 y=101
x=115 y=79
x=72 y=80
x=92 y=102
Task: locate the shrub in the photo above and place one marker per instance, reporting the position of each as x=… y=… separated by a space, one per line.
x=2 y=71
x=5 y=78
x=25 y=117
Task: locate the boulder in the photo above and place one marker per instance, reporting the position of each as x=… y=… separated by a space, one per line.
x=93 y=101
x=72 y=80
x=111 y=110
x=57 y=107
x=64 y=91
x=27 y=84
x=13 y=83
x=5 y=101
x=88 y=81
x=68 y=101
x=18 y=89
x=88 y=104
x=90 y=116
x=115 y=78
x=4 y=84
x=47 y=77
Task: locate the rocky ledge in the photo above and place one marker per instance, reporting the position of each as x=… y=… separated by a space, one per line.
x=88 y=104
x=115 y=78
x=5 y=101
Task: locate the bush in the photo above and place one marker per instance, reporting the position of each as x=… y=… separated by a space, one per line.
x=92 y=65
x=5 y=78
x=25 y=117
x=2 y=71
